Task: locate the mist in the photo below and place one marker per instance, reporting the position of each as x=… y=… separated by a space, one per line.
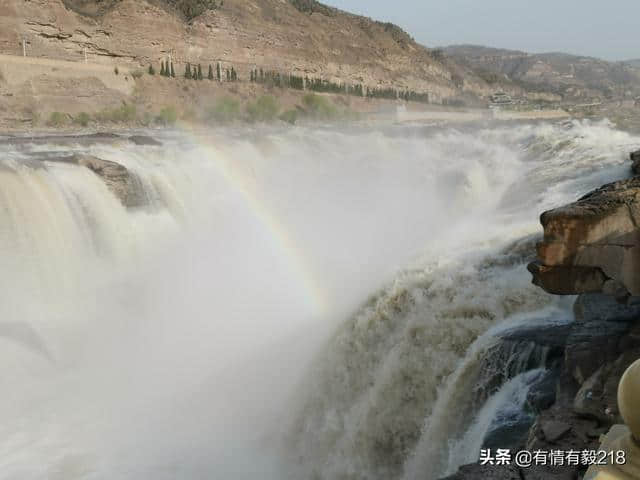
x=178 y=340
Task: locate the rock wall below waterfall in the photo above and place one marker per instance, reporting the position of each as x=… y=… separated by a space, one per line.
x=590 y=248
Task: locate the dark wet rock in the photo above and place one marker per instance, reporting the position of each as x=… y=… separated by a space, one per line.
x=635 y=158
x=120 y=181
x=514 y=435
x=597 y=397
x=554 y=430
x=596 y=306
x=542 y=394
x=591 y=345
x=553 y=336
x=144 y=140
x=540 y=472
x=560 y=428
x=486 y=472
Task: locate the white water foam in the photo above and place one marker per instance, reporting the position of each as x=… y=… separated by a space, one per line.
x=171 y=341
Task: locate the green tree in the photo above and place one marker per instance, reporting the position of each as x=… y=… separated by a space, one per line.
x=162 y=68
x=219 y=71
x=173 y=72
x=187 y=71
x=210 y=75
x=228 y=75
x=151 y=70
x=199 y=72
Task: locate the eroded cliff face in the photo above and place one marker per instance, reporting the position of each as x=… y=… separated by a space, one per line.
x=272 y=34
x=589 y=248
x=593 y=245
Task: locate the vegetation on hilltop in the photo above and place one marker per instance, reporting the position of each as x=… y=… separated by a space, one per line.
x=312 y=6
x=190 y=9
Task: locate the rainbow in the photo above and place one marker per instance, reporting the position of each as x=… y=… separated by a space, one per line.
x=282 y=240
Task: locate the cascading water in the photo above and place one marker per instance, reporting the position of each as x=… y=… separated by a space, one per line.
x=200 y=335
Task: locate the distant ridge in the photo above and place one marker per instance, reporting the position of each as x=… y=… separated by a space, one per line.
x=569 y=76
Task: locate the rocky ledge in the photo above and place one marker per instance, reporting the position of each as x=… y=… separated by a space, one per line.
x=593 y=245
x=590 y=248
x=79 y=139
x=123 y=183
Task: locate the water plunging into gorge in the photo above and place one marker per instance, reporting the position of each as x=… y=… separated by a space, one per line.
x=277 y=304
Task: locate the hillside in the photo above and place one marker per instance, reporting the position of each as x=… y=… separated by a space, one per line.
x=572 y=77
x=296 y=36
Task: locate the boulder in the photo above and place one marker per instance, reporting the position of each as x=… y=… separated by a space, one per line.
x=592 y=245
x=125 y=185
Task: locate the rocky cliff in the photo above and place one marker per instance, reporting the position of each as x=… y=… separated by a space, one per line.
x=289 y=36
x=589 y=248
x=593 y=245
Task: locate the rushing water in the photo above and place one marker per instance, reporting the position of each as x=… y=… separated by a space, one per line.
x=229 y=327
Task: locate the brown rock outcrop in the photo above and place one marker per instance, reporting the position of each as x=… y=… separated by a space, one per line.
x=120 y=181
x=592 y=245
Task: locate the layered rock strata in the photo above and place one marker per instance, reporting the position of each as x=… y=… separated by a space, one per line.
x=589 y=248
x=593 y=245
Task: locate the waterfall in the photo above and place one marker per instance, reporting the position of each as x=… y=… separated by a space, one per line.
x=277 y=303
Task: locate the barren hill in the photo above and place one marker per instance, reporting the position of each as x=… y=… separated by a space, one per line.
x=293 y=36
x=570 y=76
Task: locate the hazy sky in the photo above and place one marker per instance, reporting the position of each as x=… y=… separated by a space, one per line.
x=601 y=28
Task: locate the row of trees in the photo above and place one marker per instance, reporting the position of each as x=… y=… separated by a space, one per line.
x=276 y=79
x=166 y=69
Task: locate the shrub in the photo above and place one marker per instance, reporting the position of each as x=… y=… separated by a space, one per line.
x=56 y=119
x=82 y=119
x=319 y=106
x=225 y=110
x=138 y=73
x=116 y=71
x=290 y=116
x=122 y=114
x=312 y=6
x=167 y=116
x=147 y=119
x=263 y=109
